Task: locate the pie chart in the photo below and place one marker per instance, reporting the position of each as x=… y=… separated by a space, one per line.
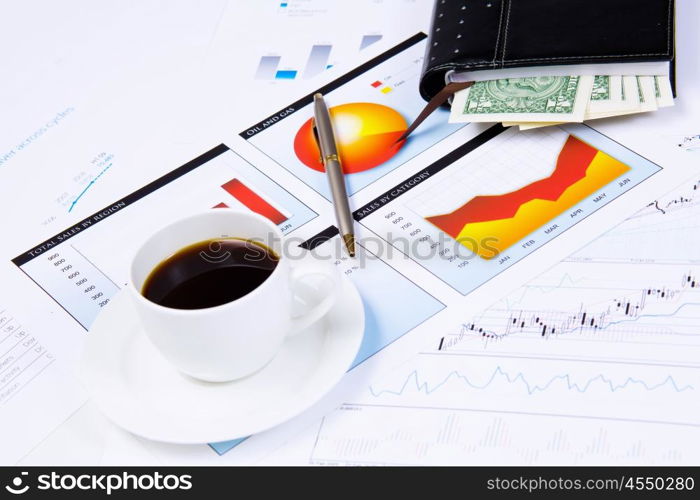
x=365 y=132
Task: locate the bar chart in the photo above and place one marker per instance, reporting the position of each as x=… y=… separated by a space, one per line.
x=270 y=66
x=253 y=201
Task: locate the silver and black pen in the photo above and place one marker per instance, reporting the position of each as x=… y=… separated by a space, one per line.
x=323 y=129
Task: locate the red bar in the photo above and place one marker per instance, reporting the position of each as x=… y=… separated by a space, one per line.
x=376 y=84
x=253 y=201
x=220 y=205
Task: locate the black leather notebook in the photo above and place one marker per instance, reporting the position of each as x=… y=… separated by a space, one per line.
x=470 y=38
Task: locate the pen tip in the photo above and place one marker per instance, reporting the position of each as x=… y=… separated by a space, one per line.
x=350 y=243
x=318 y=95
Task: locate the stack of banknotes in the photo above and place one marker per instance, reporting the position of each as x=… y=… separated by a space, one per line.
x=540 y=101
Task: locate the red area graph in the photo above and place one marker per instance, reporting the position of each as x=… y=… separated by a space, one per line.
x=253 y=201
x=572 y=163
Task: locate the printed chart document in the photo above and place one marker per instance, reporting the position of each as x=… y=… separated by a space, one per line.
x=448 y=220
x=62 y=59
x=38 y=390
x=65 y=107
x=593 y=362
x=287 y=44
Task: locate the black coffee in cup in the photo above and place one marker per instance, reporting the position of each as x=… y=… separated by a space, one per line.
x=210 y=273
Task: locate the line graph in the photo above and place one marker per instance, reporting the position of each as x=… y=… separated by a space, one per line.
x=595 y=361
x=572 y=323
x=617 y=311
x=613 y=379
x=583 y=310
x=683 y=197
x=442 y=407
x=540 y=385
x=668 y=206
x=413 y=382
x=89 y=185
x=665 y=231
x=589 y=363
x=690 y=143
x=79 y=183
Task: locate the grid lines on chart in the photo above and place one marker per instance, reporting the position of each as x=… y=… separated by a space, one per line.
x=505 y=164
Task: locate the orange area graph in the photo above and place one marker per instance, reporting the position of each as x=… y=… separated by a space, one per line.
x=487 y=225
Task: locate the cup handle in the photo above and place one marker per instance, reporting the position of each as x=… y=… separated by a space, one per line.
x=297 y=275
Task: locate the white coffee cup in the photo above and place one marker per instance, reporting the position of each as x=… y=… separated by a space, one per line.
x=235 y=339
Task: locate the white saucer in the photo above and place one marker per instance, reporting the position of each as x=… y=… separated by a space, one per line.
x=140 y=391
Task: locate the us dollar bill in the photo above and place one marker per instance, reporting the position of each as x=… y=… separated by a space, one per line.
x=526 y=104
x=531 y=99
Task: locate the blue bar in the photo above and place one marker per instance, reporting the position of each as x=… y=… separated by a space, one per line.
x=286 y=74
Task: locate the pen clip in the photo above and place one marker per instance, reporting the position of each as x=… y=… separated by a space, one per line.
x=318 y=142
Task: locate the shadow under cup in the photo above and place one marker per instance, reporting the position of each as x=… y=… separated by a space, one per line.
x=226 y=341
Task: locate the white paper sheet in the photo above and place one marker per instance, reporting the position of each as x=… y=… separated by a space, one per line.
x=593 y=362
x=73 y=67
x=59 y=56
x=272 y=167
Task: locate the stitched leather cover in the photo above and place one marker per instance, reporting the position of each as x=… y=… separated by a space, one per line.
x=469 y=35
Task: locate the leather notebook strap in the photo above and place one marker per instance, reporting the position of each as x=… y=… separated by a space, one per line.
x=434 y=103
